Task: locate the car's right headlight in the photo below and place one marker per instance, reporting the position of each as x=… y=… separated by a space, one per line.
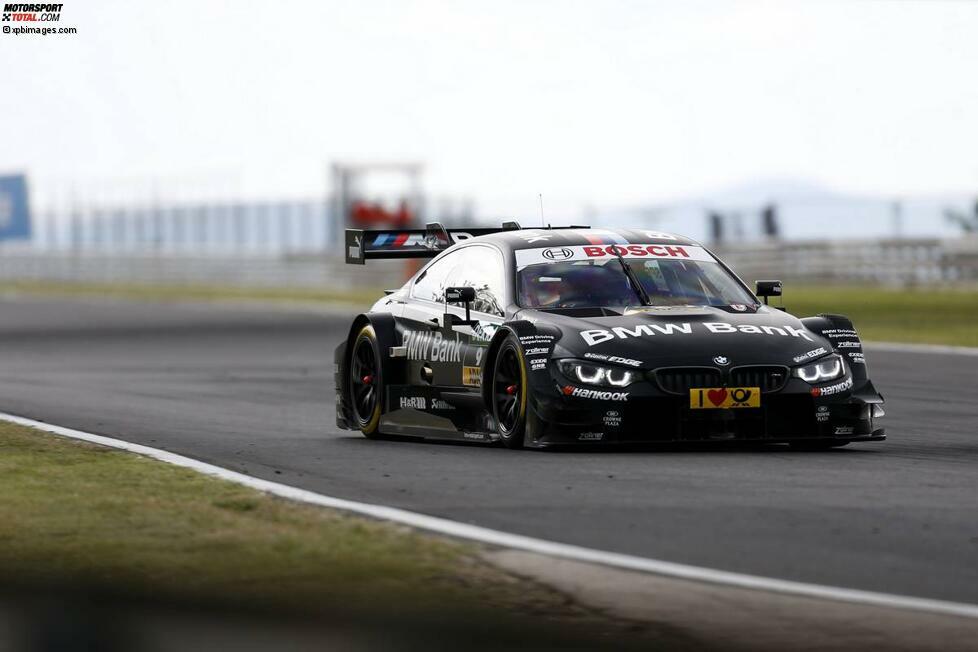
x=828 y=368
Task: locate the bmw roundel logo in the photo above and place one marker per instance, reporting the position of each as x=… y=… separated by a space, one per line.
x=557 y=254
x=722 y=360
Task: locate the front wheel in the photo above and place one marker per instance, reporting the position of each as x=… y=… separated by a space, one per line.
x=509 y=393
x=365 y=383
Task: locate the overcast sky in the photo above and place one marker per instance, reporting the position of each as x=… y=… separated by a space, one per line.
x=608 y=103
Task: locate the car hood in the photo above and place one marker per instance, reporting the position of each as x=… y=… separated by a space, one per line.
x=660 y=336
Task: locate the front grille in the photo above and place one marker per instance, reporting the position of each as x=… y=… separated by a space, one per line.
x=679 y=380
x=768 y=378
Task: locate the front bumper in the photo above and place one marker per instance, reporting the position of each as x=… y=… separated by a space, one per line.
x=792 y=414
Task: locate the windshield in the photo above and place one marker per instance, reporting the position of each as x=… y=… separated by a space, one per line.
x=603 y=283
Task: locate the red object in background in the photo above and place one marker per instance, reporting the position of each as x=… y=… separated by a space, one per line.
x=372 y=214
x=403 y=216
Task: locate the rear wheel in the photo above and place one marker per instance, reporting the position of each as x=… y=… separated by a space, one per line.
x=509 y=393
x=365 y=382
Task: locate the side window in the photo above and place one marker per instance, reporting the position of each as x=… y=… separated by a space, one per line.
x=431 y=286
x=482 y=268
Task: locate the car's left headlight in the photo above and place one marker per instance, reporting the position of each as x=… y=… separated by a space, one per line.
x=828 y=368
x=589 y=373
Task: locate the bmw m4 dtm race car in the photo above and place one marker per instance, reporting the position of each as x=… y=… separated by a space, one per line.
x=556 y=336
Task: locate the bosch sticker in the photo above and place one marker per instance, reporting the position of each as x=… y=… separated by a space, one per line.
x=526 y=257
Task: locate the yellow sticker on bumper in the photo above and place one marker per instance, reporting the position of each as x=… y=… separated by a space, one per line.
x=714 y=398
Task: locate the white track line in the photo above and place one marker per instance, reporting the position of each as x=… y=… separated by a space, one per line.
x=519 y=542
x=902 y=347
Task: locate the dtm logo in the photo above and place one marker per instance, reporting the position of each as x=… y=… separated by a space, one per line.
x=558 y=254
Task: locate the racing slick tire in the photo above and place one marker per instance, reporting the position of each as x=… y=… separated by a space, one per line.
x=516 y=422
x=365 y=383
x=508 y=394
x=817 y=445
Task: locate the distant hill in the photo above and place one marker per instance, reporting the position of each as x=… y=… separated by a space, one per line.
x=805 y=209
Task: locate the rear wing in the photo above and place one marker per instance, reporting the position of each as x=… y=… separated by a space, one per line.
x=362 y=245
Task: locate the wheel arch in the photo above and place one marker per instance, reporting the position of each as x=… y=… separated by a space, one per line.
x=489 y=362
x=385 y=330
x=522 y=330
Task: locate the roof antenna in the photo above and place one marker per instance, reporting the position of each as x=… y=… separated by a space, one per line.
x=541 y=210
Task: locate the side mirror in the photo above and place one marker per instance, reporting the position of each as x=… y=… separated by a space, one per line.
x=459 y=295
x=464 y=295
x=767 y=289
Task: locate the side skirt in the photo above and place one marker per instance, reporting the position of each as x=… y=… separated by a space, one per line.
x=427 y=413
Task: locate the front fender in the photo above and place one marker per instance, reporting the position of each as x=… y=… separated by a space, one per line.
x=536 y=342
x=840 y=333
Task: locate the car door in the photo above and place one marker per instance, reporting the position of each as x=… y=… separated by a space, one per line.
x=433 y=352
x=451 y=356
x=481 y=267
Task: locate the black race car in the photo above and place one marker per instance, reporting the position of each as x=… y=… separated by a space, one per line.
x=556 y=336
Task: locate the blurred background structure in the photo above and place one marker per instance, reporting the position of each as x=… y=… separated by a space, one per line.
x=796 y=232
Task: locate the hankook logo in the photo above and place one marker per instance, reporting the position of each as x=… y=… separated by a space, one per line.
x=570 y=390
x=558 y=254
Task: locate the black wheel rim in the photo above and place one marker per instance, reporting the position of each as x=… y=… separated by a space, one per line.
x=363 y=381
x=507 y=390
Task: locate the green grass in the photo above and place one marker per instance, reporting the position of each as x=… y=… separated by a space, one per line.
x=80 y=515
x=913 y=315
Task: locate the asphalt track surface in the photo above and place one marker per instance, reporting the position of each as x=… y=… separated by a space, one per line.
x=249 y=388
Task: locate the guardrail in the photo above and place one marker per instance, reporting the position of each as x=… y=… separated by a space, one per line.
x=175 y=269
x=899 y=262
x=893 y=262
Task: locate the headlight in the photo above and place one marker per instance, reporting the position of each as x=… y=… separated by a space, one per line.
x=828 y=368
x=592 y=374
